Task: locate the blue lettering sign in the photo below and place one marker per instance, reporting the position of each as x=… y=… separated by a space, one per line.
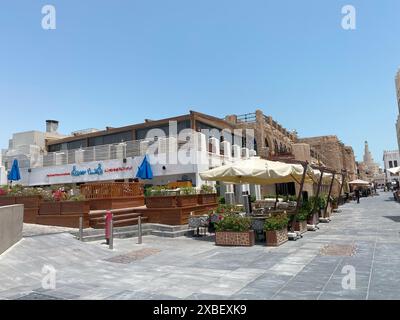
x=77 y=173
x=98 y=170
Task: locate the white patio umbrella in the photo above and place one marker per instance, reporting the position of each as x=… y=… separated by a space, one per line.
x=256 y=171
x=359 y=182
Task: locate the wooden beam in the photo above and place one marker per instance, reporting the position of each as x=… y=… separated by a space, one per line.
x=329 y=195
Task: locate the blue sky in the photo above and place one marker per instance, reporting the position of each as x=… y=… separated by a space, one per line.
x=112 y=63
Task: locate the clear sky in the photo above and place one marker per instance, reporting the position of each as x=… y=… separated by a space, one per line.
x=112 y=63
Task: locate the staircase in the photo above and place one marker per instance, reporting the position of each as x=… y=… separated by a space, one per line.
x=121 y=218
x=131 y=231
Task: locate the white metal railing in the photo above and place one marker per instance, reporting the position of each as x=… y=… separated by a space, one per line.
x=103 y=152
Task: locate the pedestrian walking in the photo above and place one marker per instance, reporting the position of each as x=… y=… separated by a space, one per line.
x=357 y=192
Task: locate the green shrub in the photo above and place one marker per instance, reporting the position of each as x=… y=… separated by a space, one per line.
x=155 y=191
x=303 y=214
x=276 y=222
x=78 y=197
x=221 y=200
x=233 y=222
x=207 y=189
x=187 y=191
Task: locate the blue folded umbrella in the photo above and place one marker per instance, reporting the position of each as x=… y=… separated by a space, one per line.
x=144 y=171
x=14 y=174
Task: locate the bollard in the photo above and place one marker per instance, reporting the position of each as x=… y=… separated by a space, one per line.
x=81 y=228
x=107 y=219
x=140 y=230
x=111 y=233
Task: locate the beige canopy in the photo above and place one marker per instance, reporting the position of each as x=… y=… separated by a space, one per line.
x=256 y=171
x=395 y=170
x=359 y=182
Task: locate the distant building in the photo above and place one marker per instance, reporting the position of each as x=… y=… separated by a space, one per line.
x=368 y=169
x=391 y=159
x=29 y=146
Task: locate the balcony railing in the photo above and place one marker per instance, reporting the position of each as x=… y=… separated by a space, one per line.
x=247 y=118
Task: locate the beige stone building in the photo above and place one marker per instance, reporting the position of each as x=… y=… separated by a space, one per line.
x=368 y=169
x=274 y=142
x=336 y=155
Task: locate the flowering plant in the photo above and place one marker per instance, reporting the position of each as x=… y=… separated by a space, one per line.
x=233 y=222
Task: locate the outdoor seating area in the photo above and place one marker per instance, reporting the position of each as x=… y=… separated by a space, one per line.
x=271 y=220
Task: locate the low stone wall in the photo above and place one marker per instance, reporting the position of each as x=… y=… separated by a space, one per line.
x=11 y=223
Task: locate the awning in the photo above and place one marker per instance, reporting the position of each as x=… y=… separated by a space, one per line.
x=394 y=170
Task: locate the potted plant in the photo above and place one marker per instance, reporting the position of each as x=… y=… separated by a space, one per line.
x=314 y=204
x=29 y=197
x=187 y=197
x=75 y=205
x=276 y=229
x=158 y=197
x=207 y=195
x=6 y=198
x=234 y=230
x=335 y=203
x=300 y=223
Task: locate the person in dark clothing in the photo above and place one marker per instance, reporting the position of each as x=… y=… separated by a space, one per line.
x=357 y=193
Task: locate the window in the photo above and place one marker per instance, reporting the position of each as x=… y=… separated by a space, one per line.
x=395 y=163
x=111 y=138
x=390 y=164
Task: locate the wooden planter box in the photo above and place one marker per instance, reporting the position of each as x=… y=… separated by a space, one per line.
x=230 y=238
x=314 y=219
x=300 y=226
x=207 y=198
x=30 y=215
x=75 y=207
x=161 y=202
x=276 y=237
x=6 y=201
x=186 y=200
x=49 y=207
x=29 y=202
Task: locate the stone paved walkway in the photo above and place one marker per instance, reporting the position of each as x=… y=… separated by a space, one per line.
x=186 y=268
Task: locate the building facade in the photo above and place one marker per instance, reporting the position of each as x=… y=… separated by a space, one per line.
x=204 y=142
x=334 y=153
x=368 y=169
x=391 y=159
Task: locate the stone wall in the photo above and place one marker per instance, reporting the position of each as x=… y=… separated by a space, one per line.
x=11 y=223
x=337 y=156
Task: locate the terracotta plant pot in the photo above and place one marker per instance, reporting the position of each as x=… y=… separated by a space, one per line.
x=186 y=200
x=231 y=238
x=208 y=198
x=75 y=207
x=300 y=226
x=161 y=202
x=48 y=207
x=314 y=218
x=276 y=237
